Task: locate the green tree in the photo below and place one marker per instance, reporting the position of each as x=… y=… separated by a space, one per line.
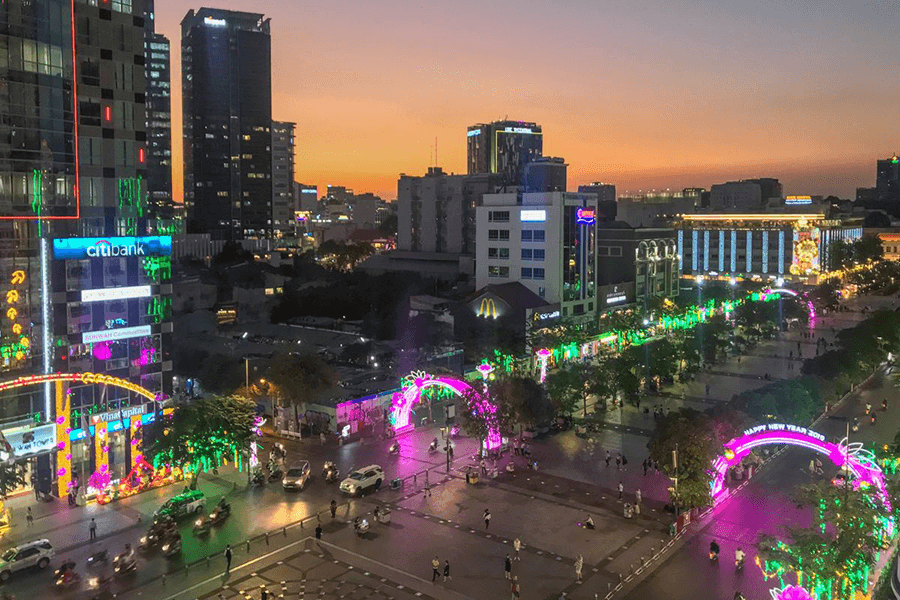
x=833 y=556
x=201 y=433
x=578 y=382
x=867 y=248
x=12 y=477
x=294 y=378
x=527 y=402
x=695 y=437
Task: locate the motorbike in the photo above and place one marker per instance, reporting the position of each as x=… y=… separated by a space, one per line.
x=533 y=465
x=172 y=547
x=64 y=568
x=432 y=448
x=713 y=557
x=100 y=585
x=739 y=564
x=330 y=472
x=361 y=526
x=258 y=478
x=219 y=514
x=124 y=563
x=68 y=579
x=275 y=472
x=98 y=557
x=394 y=449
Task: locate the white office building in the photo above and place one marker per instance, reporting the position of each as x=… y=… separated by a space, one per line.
x=546 y=241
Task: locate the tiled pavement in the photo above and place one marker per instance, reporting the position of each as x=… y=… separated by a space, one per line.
x=313 y=575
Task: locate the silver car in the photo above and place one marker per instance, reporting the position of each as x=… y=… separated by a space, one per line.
x=296 y=476
x=33 y=554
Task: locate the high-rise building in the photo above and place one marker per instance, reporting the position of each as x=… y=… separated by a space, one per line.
x=607 y=208
x=745 y=195
x=545 y=241
x=87 y=291
x=226 y=74
x=306 y=197
x=282 y=177
x=887 y=182
x=157 y=67
x=436 y=212
x=504 y=148
x=546 y=174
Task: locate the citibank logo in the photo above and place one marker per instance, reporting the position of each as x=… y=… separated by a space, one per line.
x=104 y=248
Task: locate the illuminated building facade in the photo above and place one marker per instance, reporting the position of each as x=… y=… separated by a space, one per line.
x=504 y=148
x=887 y=181
x=547 y=242
x=157 y=67
x=226 y=79
x=282 y=178
x=647 y=209
x=67 y=178
x=789 y=246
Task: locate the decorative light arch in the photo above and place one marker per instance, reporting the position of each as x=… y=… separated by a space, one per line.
x=63 y=422
x=857 y=460
x=418 y=381
x=89 y=378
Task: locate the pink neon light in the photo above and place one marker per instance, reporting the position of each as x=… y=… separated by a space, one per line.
x=543 y=355
x=836 y=453
x=102 y=351
x=404 y=401
x=791 y=592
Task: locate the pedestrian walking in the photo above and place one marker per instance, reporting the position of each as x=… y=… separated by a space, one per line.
x=517 y=545
x=621 y=489
x=435 y=569
x=608 y=457
x=29 y=518
x=227 y=558
x=92 y=528
x=618 y=461
x=318 y=532
x=450 y=451
x=707 y=389
x=514 y=588
x=487 y=518
x=656 y=466
x=645 y=467
x=516 y=448
x=447 y=576
x=637 y=496
x=333 y=508
x=579 y=565
x=507 y=566
x=264 y=595
x=624 y=461
x=427 y=493
x=483 y=468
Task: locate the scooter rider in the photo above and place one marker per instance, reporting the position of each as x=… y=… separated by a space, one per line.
x=589 y=522
x=714 y=549
x=739 y=556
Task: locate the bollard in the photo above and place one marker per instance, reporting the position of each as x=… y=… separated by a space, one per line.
x=248 y=546
x=620 y=578
x=186 y=569
x=207 y=561
x=267 y=538
x=301 y=523
x=284 y=529
x=164 y=579
x=414 y=479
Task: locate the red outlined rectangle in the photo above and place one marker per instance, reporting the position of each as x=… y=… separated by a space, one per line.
x=76 y=142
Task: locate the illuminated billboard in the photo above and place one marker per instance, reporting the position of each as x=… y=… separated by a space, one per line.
x=806 y=250
x=111 y=247
x=111 y=335
x=123 y=293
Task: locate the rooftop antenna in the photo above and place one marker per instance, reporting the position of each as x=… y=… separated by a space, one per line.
x=435 y=152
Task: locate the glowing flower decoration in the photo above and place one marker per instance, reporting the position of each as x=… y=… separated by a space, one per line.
x=791 y=592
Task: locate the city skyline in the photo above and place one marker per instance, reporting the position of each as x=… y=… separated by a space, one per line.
x=797 y=93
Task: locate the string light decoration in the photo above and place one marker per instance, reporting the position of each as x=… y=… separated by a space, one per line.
x=63 y=442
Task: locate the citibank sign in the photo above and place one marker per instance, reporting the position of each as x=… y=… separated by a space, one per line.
x=111 y=247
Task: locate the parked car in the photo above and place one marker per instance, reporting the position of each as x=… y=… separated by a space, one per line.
x=362 y=479
x=33 y=554
x=188 y=503
x=296 y=476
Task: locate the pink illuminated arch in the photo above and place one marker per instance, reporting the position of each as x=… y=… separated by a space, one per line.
x=415 y=383
x=858 y=460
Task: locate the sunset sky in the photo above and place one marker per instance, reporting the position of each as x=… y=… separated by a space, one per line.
x=644 y=94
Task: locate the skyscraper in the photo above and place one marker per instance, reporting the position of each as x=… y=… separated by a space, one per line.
x=887 y=182
x=88 y=289
x=504 y=147
x=226 y=66
x=282 y=177
x=157 y=56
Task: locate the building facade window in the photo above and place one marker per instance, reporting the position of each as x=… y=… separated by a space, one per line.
x=498 y=216
x=501 y=272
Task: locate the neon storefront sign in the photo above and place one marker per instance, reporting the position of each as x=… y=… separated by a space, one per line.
x=111 y=335
x=417 y=382
x=111 y=247
x=586 y=216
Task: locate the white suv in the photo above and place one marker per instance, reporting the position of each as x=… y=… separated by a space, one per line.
x=362 y=479
x=37 y=553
